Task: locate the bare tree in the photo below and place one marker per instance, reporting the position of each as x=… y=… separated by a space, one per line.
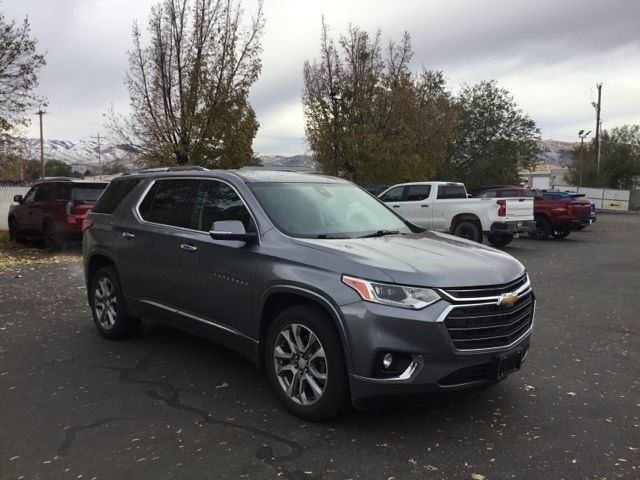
x=189 y=86
x=19 y=66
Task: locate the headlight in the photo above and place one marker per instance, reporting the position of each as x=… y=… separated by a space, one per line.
x=414 y=298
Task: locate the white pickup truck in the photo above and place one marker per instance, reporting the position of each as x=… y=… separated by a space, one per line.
x=445 y=207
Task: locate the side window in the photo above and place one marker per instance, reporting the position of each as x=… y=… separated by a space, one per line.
x=510 y=193
x=393 y=195
x=170 y=202
x=418 y=192
x=44 y=193
x=28 y=198
x=217 y=201
x=489 y=194
x=115 y=192
x=451 y=191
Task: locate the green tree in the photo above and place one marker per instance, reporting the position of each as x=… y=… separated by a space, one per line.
x=58 y=168
x=619 y=160
x=189 y=86
x=19 y=67
x=494 y=139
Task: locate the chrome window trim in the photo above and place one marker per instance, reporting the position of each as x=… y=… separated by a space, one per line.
x=520 y=291
x=474 y=351
x=138 y=216
x=199 y=319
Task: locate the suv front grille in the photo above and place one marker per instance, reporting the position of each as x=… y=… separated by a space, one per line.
x=489 y=291
x=489 y=325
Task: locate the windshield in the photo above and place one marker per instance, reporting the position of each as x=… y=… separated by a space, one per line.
x=325 y=210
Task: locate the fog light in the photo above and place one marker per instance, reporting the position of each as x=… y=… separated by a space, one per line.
x=387 y=360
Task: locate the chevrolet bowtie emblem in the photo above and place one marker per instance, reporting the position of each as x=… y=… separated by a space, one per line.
x=507 y=299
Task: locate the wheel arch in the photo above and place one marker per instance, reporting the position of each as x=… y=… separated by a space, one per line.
x=280 y=297
x=462 y=217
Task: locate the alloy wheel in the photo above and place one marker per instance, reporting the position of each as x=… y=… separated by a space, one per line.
x=105 y=303
x=300 y=364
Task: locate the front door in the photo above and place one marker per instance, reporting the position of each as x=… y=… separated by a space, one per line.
x=393 y=198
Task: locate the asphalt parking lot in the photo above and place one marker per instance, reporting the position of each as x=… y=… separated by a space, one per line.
x=168 y=405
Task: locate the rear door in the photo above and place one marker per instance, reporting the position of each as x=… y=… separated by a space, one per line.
x=441 y=217
x=416 y=205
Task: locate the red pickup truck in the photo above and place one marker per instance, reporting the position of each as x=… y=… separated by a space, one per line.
x=554 y=218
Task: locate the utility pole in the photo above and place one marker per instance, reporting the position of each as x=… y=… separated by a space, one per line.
x=597 y=107
x=99 y=159
x=582 y=136
x=40 y=113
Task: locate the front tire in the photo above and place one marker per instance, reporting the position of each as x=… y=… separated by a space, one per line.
x=108 y=308
x=470 y=230
x=305 y=363
x=501 y=240
x=562 y=233
x=543 y=229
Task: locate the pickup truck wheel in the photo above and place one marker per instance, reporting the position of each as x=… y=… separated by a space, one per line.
x=543 y=228
x=561 y=233
x=108 y=307
x=469 y=229
x=500 y=240
x=305 y=363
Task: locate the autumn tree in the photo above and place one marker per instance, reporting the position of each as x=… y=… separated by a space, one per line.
x=19 y=68
x=367 y=117
x=494 y=139
x=189 y=86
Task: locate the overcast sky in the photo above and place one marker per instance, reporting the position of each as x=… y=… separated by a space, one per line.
x=548 y=54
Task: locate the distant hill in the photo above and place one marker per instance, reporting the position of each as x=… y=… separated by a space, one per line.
x=83 y=154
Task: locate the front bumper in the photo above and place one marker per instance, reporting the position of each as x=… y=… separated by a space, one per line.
x=435 y=365
x=511 y=228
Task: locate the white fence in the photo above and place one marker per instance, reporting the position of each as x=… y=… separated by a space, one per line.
x=6 y=199
x=605 y=198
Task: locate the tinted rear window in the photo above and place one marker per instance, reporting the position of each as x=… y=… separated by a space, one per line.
x=87 y=192
x=452 y=191
x=114 y=194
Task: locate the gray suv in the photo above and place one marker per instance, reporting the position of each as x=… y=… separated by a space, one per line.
x=319 y=283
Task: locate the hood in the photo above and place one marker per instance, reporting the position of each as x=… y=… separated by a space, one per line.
x=427 y=259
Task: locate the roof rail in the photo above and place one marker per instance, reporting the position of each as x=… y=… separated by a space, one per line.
x=185 y=168
x=59 y=179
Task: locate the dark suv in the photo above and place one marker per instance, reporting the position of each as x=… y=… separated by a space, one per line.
x=315 y=280
x=53 y=209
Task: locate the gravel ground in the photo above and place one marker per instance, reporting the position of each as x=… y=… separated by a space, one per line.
x=168 y=405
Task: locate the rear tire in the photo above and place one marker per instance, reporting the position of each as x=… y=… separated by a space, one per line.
x=52 y=241
x=561 y=233
x=500 y=240
x=305 y=363
x=108 y=308
x=469 y=229
x=543 y=229
x=14 y=232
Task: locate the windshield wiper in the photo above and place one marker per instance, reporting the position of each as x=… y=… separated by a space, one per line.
x=381 y=233
x=325 y=236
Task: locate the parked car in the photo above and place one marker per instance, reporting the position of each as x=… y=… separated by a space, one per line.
x=53 y=209
x=570 y=197
x=445 y=207
x=556 y=215
x=328 y=290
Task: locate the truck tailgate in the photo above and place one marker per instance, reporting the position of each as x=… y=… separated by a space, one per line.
x=519 y=209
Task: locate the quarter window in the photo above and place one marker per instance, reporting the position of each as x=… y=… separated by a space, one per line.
x=114 y=194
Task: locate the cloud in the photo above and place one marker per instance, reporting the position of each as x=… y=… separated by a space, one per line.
x=548 y=54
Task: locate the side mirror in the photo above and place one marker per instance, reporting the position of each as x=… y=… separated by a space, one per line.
x=17 y=198
x=231 y=230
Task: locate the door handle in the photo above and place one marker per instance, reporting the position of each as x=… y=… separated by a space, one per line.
x=396 y=206
x=128 y=235
x=188 y=248
x=424 y=206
